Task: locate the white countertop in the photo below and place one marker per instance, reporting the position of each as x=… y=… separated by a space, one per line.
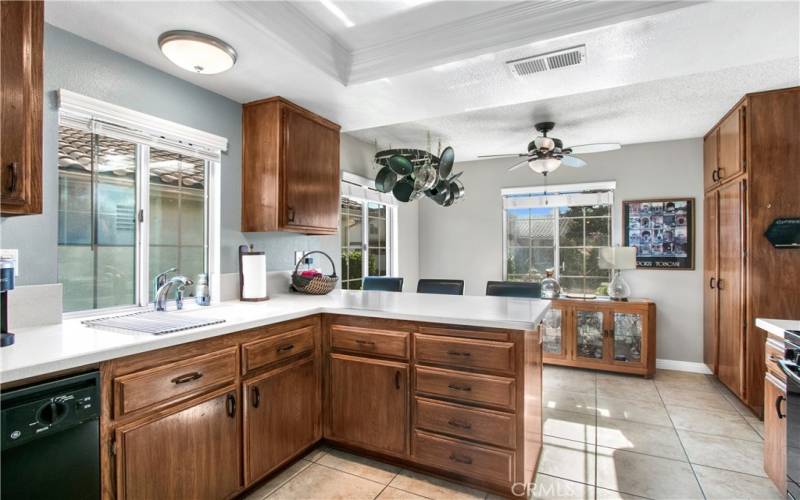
x=777 y=326
x=47 y=349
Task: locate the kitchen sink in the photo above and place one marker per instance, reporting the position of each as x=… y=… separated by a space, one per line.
x=152 y=322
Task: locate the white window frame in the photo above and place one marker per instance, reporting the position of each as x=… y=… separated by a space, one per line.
x=146 y=131
x=554 y=190
x=362 y=190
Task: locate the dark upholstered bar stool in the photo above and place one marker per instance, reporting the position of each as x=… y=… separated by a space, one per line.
x=383 y=283
x=514 y=289
x=445 y=287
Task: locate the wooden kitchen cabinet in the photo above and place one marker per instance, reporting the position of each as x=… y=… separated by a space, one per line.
x=602 y=334
x=710 y=159
x=775 y=430
x=282 y=413
x=290 y=169
x=745 y=276
x=21 y=49
x=369 y=403
x=190 y=452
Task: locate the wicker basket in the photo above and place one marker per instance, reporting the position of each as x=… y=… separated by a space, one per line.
x=318 y=285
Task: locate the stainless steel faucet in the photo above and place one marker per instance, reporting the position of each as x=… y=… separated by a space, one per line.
x=160 y=280
x=161 y=294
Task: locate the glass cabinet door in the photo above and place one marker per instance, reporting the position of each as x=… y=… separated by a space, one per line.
x=589 y=334
x=627 y=337
x=552 y=338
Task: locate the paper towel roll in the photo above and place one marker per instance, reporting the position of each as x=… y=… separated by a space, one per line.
x=253 y=275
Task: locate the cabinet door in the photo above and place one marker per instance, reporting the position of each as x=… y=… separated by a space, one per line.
x=627 y=335
x=21 y=30
x=553 y=329
x=590 y=332
x=310 y=180
x=281 y=416
x=730 y=350
x=710 y=159
x=191 y=453
x=710 y=275
x=369 y=401
x=731 y=145
x=775 y=431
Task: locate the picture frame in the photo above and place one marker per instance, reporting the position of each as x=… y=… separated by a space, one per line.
x=662 y=230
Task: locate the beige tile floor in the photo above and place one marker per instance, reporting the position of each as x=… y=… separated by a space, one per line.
x=680 y=436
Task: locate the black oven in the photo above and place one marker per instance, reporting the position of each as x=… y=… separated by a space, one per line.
x=790 y=367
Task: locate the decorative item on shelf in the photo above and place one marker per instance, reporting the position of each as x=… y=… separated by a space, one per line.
x=661 y=230
x=617 y=259
x=410 y=174
x=252 y=274
x=550 y=287
x=6 y=284
x=312 y=281
x=784 y=232
x=202 y=295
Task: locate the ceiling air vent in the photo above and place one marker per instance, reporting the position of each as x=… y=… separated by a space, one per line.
x=563 y=58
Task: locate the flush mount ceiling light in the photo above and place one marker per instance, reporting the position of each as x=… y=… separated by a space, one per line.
x=197 y=52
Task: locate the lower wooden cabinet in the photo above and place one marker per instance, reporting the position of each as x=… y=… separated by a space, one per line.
x=193 y=451
x=369 y=401
x=281 y=416
x=775 y=430
x=601 y=334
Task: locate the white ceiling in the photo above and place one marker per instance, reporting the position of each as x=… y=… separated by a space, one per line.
x=655 y=70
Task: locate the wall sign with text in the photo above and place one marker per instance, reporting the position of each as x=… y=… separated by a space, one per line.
x=662 y=232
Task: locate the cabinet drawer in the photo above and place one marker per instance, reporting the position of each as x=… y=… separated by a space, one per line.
x=774 y=351
x=464 y=458
x=484 y=389
x=173 y=382
x=264 y=352
x=479 y=425
x=368 y=341
x=466 y=353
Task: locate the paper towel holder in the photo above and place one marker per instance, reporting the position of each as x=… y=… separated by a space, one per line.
x=246 y=251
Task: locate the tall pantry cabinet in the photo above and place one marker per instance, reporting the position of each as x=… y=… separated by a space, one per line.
x=751 y=164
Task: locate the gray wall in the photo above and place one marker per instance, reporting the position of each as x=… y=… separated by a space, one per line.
x=465 y=241
x=81 y=66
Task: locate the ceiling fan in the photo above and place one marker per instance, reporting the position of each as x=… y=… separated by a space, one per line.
x=546 y=154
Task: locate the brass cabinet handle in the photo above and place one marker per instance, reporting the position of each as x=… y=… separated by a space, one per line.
x=12 y=181
x=719 y=284
x=365 y=342
x=182 y=379
x=459 y=387
x=290 y=214
x=715 y=175
x=459 y=423
x=711 y=282
x=230 y=405
x=256 y=396
x=285 y=348
x=397 y=380
x=462 y=459
x=780 y=399
x=460 y=354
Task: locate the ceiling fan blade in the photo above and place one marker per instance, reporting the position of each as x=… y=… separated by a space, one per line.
x=594 y=148
x=503 y=156
x=523 y=162
x=573 y=161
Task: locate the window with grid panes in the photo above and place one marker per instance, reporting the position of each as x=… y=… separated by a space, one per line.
x=365 y=230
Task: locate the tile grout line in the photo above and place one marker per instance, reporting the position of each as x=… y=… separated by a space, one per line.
x=702 y=492
x=387 y=485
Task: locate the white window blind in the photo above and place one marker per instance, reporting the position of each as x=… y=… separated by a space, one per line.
x=360 y=188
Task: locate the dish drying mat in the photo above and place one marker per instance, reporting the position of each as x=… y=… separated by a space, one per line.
x=154 y=322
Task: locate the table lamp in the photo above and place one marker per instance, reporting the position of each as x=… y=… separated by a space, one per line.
x=617 y=259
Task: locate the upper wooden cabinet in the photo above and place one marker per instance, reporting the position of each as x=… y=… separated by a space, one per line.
x=724 y=149
x=710 y=159
x=290 y=169
x=21 y=33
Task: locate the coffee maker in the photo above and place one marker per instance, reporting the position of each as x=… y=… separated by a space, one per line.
x=6 y=284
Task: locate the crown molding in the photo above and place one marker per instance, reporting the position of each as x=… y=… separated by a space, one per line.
x=287 y=27
x=504 y=28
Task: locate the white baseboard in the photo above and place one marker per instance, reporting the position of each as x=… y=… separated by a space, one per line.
x=682 y=366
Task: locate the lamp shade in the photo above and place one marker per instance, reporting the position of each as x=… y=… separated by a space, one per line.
x=617 y=258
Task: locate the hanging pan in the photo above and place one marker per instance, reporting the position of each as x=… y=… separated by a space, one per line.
x=446 y=160
x=385 y=180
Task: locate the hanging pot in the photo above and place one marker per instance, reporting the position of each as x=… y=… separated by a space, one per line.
x=446 y=160
x=403 y=190
x=400 y=165
x=440 y=192
x=425 y=177
x=456 y=191
x=385 y=180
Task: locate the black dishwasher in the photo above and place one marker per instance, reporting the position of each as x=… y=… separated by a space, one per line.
x=51 y=440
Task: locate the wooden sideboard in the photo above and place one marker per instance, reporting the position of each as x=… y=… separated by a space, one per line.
x=213 y=418
x=601 y=334
x=775 y=412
